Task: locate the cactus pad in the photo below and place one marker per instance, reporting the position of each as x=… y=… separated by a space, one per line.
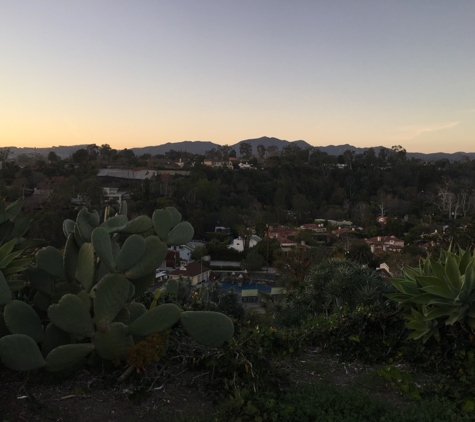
x=162 y=222
x=115 y=224
x=86 y=223
x=86 y=266
x=156 y=320
x=155 y=253
x=136 y=310
x=20 y=353
x=141 y=224
x=71 y=315
x=68 y=227
x=103 y=247
x=49 y=259
x=111 y=295
x=67 y=356
x=131 y=252
x=20 y=318
x=70 y=258
x=181 y=234
x=208 y=328
x=176 y=216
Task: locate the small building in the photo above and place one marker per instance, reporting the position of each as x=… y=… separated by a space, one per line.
x=342 y=231
x=113 y=194
x=239 y=244
x=385 y=244
x=317 y=228
x=218 y=164
x=195 y=271
x=184 y=252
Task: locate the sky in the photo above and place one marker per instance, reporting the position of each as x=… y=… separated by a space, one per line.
x=145 y=72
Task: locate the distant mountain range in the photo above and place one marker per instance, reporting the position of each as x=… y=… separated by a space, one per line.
x=200 y=147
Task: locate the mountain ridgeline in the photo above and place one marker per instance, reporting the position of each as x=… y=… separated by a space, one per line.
x=200 y=147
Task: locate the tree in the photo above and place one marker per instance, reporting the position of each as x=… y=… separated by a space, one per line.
x=81 y=156
x=53 y=157
x=254 y=261
x=268 y=248
x=5 y=153
x=294 y=266
x=245 y=149
x=272 y=151
x=301 y=206
x=199 y=253
x=261 y=151
x=223 y=152
x=92 y=192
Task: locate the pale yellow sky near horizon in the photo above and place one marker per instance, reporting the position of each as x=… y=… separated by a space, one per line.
x=39 y=132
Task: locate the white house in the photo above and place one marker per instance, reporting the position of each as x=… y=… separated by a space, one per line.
x=239 y=243
x=185 y=251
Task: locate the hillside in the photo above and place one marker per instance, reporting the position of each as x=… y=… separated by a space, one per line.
x=200 y=147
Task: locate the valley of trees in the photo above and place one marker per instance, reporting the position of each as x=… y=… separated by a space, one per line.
x=288 y=187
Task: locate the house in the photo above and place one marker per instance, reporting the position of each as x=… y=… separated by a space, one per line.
x=276 y=232
x=385 y=244
x=341 y=231
x=195 y=271
x=282 y=234
x=286 y=243
x=239 y=244
x=184 y=252
x=219 y=164
x=127 y=173
x=317 y=228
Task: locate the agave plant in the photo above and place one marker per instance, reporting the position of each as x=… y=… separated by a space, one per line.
x=438 y=292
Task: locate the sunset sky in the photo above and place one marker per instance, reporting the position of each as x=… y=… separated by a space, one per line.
x=138 y=73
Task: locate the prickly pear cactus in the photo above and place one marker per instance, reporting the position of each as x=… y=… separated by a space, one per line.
x=88 y=292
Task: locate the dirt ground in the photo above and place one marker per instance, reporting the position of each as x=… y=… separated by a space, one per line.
x=84 y=397
x=165 y=395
